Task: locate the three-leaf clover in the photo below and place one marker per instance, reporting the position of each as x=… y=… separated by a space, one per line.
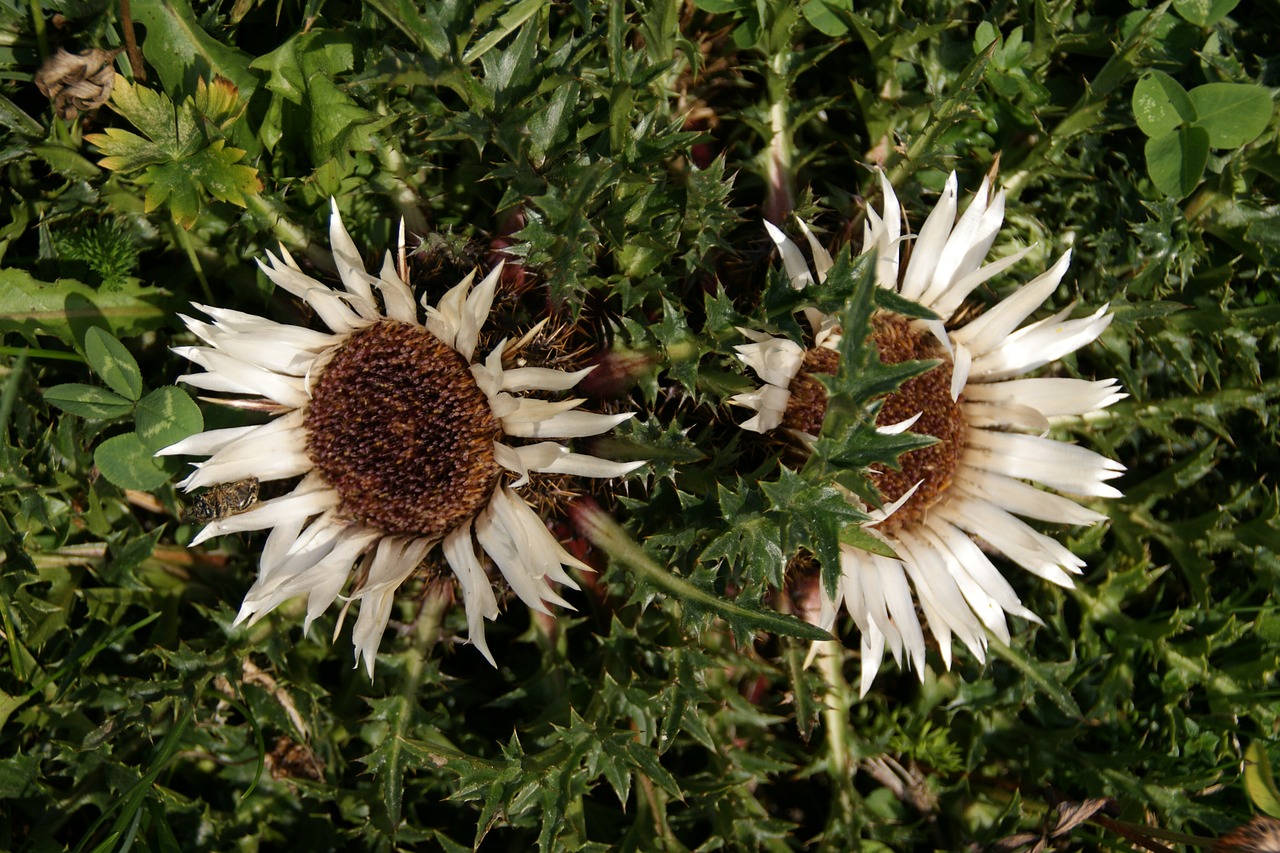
x=1184 y=125
x=162 y=417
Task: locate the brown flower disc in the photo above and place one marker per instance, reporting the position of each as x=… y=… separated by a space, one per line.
x=399 y=428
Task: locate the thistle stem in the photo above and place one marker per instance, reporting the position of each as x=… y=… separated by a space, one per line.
x=10 y=392
x=781 y=197
x=607 y=535
x=35 y=352
x=290 y=233
x=404 y=194
x=835 y=717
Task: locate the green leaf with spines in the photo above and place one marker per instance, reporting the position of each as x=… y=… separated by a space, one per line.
x=180 y=50
x=752 y=538
x=66 y=308
x=1204 y=13
x=816 y=516
x=680 y=346
x=694 y=592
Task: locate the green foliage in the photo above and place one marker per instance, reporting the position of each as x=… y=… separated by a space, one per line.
x=65 y=308
x=107 y=250
x=1184 y=126
x=182 y=154
x=620 y=157
x=162 y=417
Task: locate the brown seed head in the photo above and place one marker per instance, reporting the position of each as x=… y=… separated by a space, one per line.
x=77 y=82
x=929 y=394
x=398 y=426
x=940 y=416
x=808 y=404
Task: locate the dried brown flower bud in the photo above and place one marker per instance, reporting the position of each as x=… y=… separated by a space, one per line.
x=1260 y=835
x=77 y=82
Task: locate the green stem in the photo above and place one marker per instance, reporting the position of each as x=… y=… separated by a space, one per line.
x=10 y=392
x=37 y=24
x=294 y=236
x=1088 y=110
x=778 y=170
x=35 y=352
x=184 y=240
x=607 y=535
x=835 y=719
x=404 y=194
x=1203 y=202
x=426 y=633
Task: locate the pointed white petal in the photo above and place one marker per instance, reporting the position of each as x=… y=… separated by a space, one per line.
x=270 y=513
x=966 y=612
x=396 y=559
x=205 y=443
x=1044 y=557
x=283 y=463
x=565 y=424
x=477 y=592
x=1056 y=464
x=230 y=374
x=822 y=262
x=1052 y=397
x=775 y=360
x=541 y=379
x=496 y=539
x=334 y=310
x=792 y=258
x=770 y=403
x=900 y=426
x=945 y=304
x=445 y=318
x=264 y=445
x=961 y=365
x=884 y=234
x=1022 y=498
x=1039 y=344
x=967 y=559
x=397 y=298
x=1005 y=415
x=475 y=312
x=928 y=247
x=880 y=514
x=968 y=243
x=872 y=648
x=582 y=465
x=350 y=266
x=992 y=328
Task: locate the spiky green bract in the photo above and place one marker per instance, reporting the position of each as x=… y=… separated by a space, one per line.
x=849 y=442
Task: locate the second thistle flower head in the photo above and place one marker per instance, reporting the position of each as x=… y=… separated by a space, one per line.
x=404 y=437
x=993 y=452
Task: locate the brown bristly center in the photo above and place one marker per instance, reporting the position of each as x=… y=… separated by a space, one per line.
x=808 y=404
x=940 y=416
x=928 y=394
x=399 y=428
